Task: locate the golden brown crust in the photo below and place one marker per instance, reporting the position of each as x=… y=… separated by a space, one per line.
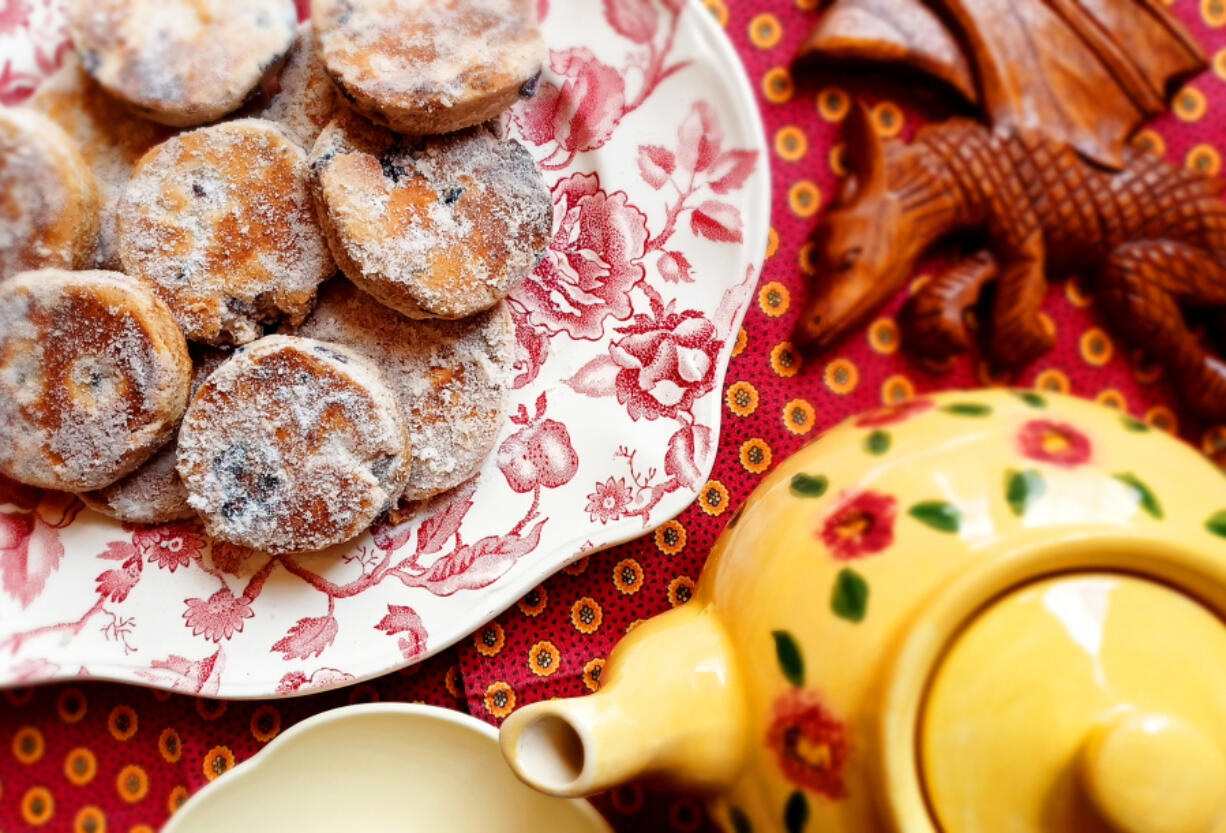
x=453 y=378
x=154 y=494
x=293 y=445
x=425 y=67
x=442 y=227
x=94 y=374
x=48 y=197
x=221 y=221
x=182 y=62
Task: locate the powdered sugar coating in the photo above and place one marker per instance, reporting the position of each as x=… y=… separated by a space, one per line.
x=443 y=226
x=306 y=97
x=48 y=198
x=430 y=66
x=182 y=62
x=94 y=375
x=293 y=445
x=222 y=222
x=110 y=139
x=154 y=494
x=453 y=378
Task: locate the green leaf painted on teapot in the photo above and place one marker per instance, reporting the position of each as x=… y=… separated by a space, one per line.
x=849 y=600
x=1022 y=488
x=877 y=442
x=807 y=485
x=740 y=821
x=1031 y=398
x=790 y=660
x=938 y=514
x=1145 y=496
x=1217 y=524
x=967 y=409
x=796 y=812
x=1134 y=424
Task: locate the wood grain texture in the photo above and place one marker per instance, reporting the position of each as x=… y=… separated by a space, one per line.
x=1085 y=72
x=1153 y=234
x=903 y=31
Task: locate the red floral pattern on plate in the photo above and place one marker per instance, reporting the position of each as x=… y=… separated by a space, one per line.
x=609 y=500
x=33 y=39
x=642 y=289
x=593 y=261
x=219 y=616
x=171 y=546
x=539 y=456
x=665 y=362
x=30 y=547
x=405 y=622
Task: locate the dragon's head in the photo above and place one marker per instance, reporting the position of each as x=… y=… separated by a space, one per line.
x=875 y=231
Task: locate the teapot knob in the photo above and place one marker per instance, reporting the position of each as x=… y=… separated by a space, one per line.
x=1150 y=773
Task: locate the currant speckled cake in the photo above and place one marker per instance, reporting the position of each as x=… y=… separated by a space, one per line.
x=221 y=221
x=430 y=66
x=453 y=378
x=434 y=227
x=182 y=62
x=94 y=375
x=293 y=445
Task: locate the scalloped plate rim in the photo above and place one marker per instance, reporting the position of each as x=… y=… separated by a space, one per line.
x=548 y=562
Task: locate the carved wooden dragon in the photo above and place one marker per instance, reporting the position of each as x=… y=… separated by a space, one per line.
x=1066 y=194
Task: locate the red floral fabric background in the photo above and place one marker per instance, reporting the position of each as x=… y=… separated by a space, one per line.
x=102 y=757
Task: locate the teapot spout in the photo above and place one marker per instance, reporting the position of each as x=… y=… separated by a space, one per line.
x=670 y=708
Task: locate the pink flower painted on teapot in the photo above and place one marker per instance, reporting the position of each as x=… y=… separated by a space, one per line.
x=811 y=745
x=861 y=524
x=1053 y=442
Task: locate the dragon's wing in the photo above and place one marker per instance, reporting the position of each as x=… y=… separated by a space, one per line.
x=1085 y=71
x=905 y=31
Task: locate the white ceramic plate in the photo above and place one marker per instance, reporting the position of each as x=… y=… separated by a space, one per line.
x=381 y=768
x=649 y=135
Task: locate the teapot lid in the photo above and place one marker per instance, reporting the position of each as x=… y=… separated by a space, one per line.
x=1084 y=703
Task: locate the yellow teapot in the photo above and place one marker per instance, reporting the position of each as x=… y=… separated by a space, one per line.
x=981 y=612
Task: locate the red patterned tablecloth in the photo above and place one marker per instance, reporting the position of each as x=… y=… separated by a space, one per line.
x=103 y=757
